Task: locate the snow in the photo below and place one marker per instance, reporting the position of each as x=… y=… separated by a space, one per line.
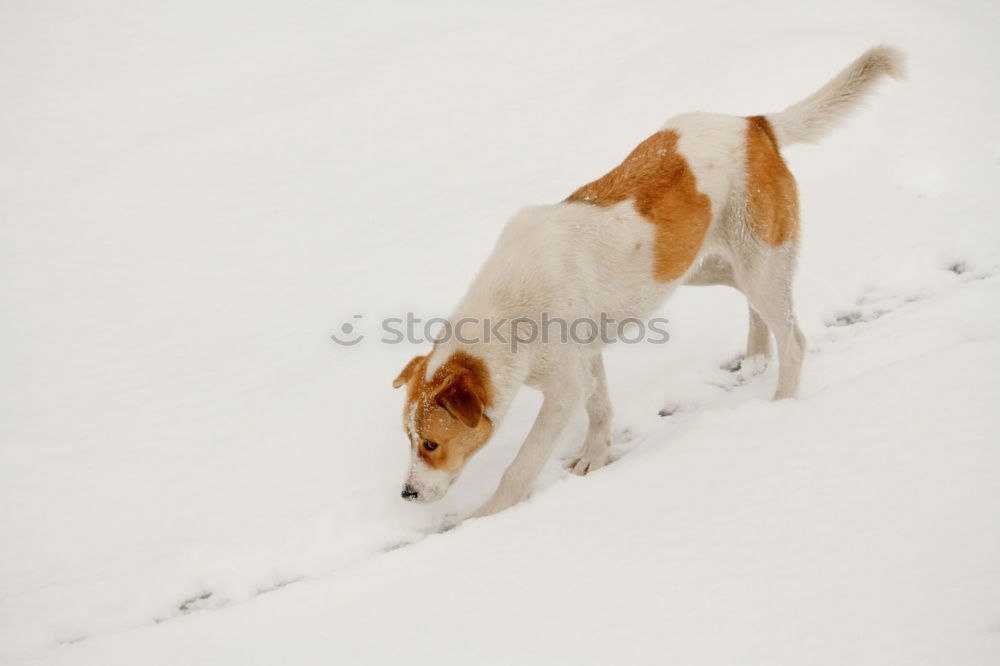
x=194 y=196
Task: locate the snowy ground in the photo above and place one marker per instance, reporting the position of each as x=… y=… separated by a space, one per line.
x=194 y=196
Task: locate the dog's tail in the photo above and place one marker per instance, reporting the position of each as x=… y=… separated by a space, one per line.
x=813 y=118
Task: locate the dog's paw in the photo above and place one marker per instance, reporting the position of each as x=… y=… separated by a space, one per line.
x=589 y=461
x=448 y=522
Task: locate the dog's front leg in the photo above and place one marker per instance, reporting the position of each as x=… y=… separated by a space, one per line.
x=557 y=407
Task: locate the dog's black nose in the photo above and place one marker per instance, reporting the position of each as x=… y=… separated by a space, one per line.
x=409 y=492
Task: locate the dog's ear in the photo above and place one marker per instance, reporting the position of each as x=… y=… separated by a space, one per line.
x=464 y=398
x=407 y=372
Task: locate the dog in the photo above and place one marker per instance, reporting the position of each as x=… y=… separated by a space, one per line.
x=707 y=200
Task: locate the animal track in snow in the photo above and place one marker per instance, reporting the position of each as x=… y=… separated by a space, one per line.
x=968 y=274
x=875 y=303
x=870 y=306
x=196 y=603
x=733 y=364
x=740 y=370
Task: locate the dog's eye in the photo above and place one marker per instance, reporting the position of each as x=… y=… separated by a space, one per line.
x=430 y=446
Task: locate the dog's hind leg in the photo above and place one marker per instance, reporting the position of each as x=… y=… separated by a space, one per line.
x=767 y=283
x=594 y=453
x=758 y=335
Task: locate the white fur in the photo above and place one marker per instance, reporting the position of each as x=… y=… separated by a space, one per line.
x=579 y=261
x=714 y=146
x=431 y=484
x=557 y=259
x=815 y=116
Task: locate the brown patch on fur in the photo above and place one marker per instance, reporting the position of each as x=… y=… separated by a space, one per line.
x=447 y=409
x=772 y=197
x=658 y=179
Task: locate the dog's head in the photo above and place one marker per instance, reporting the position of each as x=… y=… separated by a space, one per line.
x=444 y=421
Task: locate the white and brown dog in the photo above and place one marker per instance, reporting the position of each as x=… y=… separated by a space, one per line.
x=706 y=200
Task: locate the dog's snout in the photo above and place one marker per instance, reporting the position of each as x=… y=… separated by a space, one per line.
x=409 y=492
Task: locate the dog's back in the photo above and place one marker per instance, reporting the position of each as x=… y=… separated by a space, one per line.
x=706 y=185
x=703 y=169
